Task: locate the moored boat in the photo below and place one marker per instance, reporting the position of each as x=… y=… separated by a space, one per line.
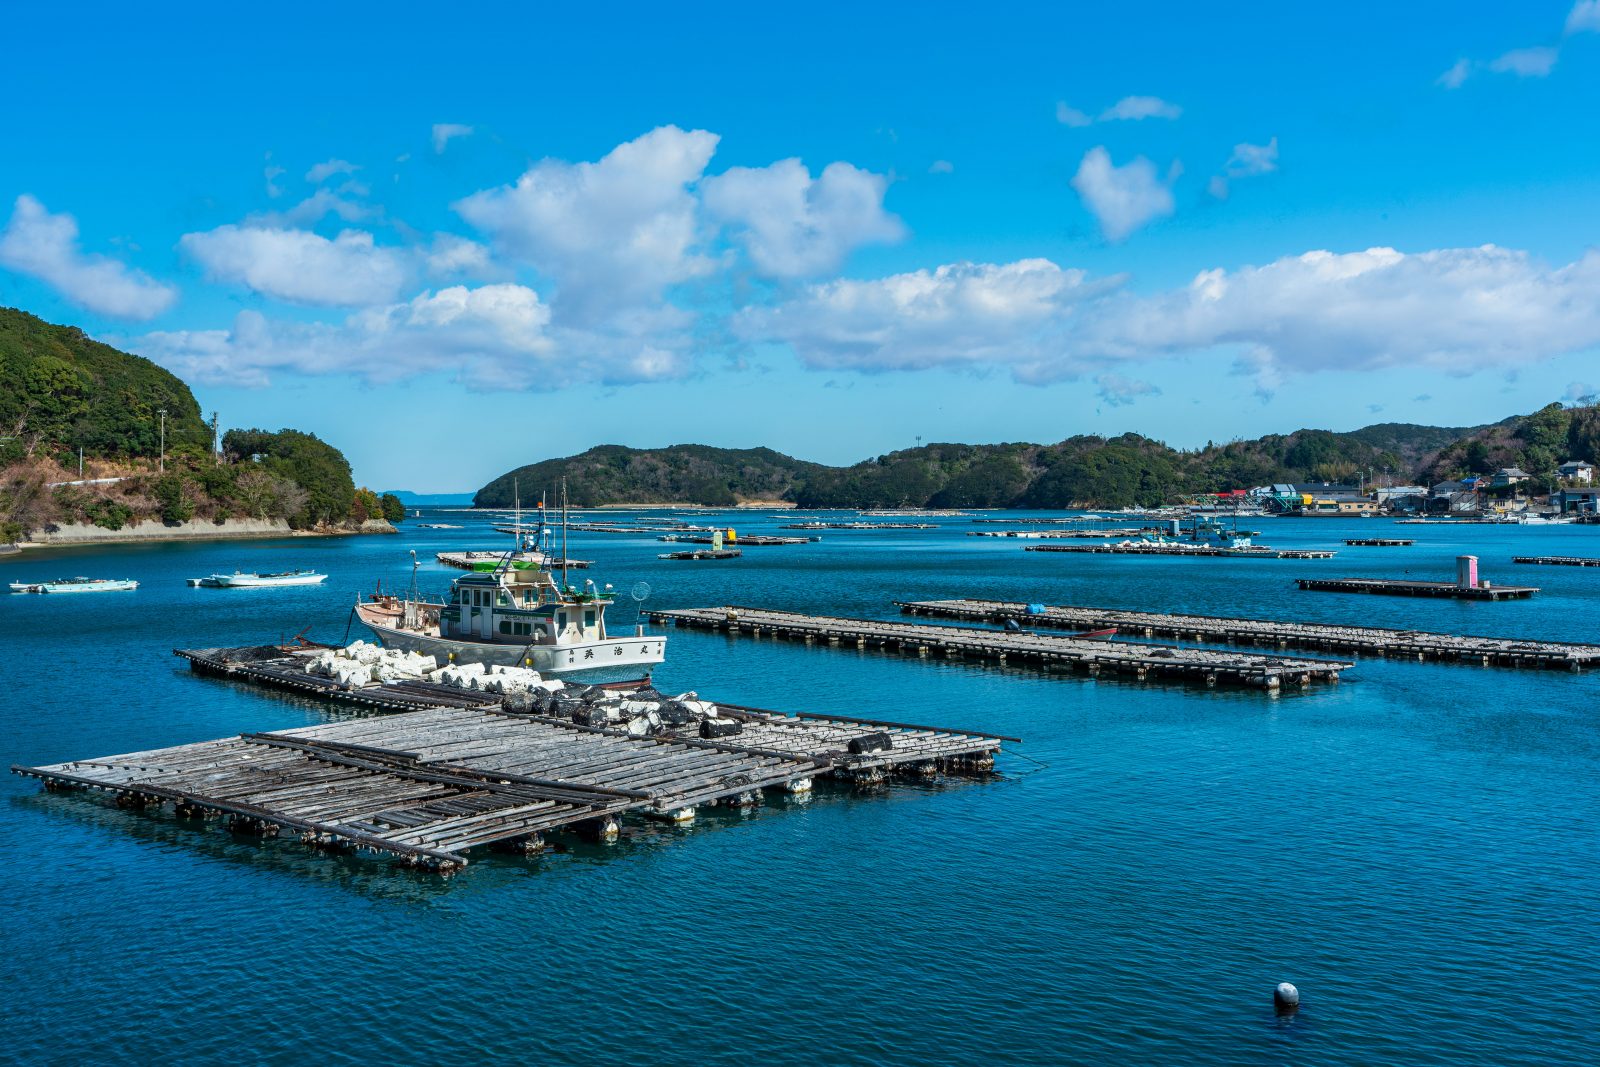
x=77 y=585
x=251 y=580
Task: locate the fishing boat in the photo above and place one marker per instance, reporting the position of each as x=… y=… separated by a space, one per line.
x=251 y=580
x=77 y=585
x=527 y=616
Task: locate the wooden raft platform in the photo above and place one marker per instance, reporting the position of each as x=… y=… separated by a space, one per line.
x=703 y=553
x=427 y=786
x=1379 y=542
x=1558 y=561
x=743 y=540
x=1372 y=640
x=1399 y=587
x=1253 y=552
x=1141 y=661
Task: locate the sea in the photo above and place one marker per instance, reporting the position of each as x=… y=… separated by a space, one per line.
x=1415 y=848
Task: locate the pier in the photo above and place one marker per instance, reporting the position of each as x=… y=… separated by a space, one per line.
x=1558 y=561
x=1319 y=637
x=1379 y=542
x=427 y=786
x=1397 y=587
x=1049 y=651
x=1141 y=548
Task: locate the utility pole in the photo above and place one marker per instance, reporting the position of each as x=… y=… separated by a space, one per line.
x=216 y=442
x=80 y=461
x=163 y=414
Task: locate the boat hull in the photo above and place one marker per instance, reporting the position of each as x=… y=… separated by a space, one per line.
x=87 y=587
x=614 y=652
x=256 y=581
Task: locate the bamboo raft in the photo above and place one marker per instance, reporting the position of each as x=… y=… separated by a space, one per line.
x=744 y=540
x=1045 y=535
x=1558 y=561
x=1166 y=549
x=1402 y=587
x=476 y=557
x=427 y=786
x=1371 y=640
x=703 y=553
x=1049 y=651
x=1379 y=542
x=859 y=526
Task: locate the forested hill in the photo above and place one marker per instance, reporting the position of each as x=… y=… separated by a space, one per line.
x=1088 y=471
x=64 y=391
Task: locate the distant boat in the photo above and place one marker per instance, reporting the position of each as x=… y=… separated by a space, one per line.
x=1100 y=635
x=242 y=580
x=77 y=585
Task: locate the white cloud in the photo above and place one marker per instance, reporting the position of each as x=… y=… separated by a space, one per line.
x=1249 y=160
x=1217 y=187
x=612 y=233
x=962 y=314
x=1070 y=116
x=1140 y=107
x=300 y=266
x=1526 y=62
x=445 y=132
x=791 y=224
x=1580 y=393
x=323 y=171
x=942 y=166
x=45 y=246
x=272 y=174
x=457 y=255
x=490 y=337
x=1457 y=75
x=1122 y=198
x=319 y=205
x=1584 y=17
x=1118 y=391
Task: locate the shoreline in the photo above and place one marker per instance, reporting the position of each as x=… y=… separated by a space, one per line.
x=187 y=533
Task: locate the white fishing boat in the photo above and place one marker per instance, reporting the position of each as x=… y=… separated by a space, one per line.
x=77 y=585
x=514 y=615
x=244 y=580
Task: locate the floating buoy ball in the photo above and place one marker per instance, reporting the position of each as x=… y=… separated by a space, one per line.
x=1286 y=998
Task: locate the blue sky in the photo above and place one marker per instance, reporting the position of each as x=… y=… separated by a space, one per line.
x=451 y=243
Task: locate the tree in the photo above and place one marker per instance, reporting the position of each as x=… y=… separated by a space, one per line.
x=393 y=509
x=312 y=464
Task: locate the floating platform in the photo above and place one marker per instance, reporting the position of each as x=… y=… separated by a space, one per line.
x=471 y=560
x=428 y=786
x=703 y=553
x=1177 y=549
x=743 y=540
x=859 y=526
x=1369 y=640
x=1397 y=587
x=1047 y=535
x=1379 y=542
x=1558 y=561
x=1092 y=656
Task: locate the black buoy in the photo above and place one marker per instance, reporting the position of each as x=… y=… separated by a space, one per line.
x=1286 y=998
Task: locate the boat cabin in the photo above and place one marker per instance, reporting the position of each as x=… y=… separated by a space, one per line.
x=521 y=607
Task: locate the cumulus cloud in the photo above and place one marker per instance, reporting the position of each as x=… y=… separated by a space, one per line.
x=323 y=171
x=300 y=266
x=1135 y=108
x=45 y=246
x=1118 y=391
x=942 y=166
x=1456 y=310
x=1071 y=116
x=961 y=314
x=457 y=255
x=1248 y=160
x=1580 y=393
x=1526 y=62
x=445 y=132
x=490 y=337
x=1584 y=17
x=1122 y=198
x=791 y=224
x=610 y=233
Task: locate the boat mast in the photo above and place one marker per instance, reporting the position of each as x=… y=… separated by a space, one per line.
x=563 y=535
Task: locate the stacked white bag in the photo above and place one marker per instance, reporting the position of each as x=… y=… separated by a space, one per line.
x=363 y=664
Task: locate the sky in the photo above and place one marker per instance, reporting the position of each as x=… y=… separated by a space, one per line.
x=454 y=242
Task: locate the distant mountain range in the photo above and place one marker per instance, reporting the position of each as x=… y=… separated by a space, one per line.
x=1079 y=471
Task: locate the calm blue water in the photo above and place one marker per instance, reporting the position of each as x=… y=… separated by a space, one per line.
x=1416 y=847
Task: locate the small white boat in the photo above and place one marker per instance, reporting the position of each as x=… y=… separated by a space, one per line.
x=77 y=585
x=243 y=580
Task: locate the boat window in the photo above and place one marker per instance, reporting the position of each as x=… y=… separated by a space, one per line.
x=588 y=618
x=505 y=627
x=561 y=620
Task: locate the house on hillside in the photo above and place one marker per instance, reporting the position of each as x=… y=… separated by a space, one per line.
x=1506 y=477
x=1577 y=471
x=1581 y=501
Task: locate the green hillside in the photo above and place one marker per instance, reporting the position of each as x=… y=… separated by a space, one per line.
x=691 y=474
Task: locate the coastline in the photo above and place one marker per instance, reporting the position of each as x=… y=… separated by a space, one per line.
x=150 y=531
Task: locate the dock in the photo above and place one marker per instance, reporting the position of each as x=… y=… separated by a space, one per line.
x=1178 y=549
x=1558 y=561
x=427 y=786
x=1398 y=587
x=1141 y=662
x=743 y=540
x=703 y=553
x=1379 y=542
x=1320 y=637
